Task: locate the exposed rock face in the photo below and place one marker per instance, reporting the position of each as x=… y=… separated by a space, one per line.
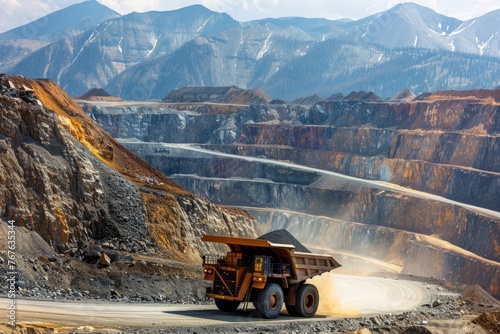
x=186 y=123
x=369 y=204
x=415 y=253
x=438 y=163
x=429 y=146
x=40 y=159
x=149 y=122
x=443 y=144
x=69 y=181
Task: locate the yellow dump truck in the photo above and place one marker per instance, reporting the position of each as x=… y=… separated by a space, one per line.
x=266 y=274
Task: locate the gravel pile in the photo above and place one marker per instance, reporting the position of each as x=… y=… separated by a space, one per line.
x=105 y=272
x=284 y=237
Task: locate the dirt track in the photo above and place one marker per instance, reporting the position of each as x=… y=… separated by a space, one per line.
x=343 y=296
x=380 y=184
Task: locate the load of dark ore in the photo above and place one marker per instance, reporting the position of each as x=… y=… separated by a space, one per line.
x=284 y=237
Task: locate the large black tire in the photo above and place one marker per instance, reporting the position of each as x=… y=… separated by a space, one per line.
x=226 y=305
x=270 y=301
x=307 y=301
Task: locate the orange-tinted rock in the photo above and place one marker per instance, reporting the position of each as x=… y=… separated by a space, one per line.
x=65 y=178
x=104 y=260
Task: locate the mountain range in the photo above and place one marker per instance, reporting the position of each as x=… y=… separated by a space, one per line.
x=144 y=56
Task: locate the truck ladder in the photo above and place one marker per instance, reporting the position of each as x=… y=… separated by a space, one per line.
x=247 y=299
x=246 y=286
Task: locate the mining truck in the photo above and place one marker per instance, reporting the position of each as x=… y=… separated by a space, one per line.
x=266 y=274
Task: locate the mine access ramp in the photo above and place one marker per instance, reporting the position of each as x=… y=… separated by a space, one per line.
x=266 y=274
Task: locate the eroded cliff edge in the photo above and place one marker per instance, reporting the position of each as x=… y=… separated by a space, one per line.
x=67 y=180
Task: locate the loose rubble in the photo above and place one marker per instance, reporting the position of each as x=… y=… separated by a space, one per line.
x=24 y=93
x=80 y=275
x=413 y=322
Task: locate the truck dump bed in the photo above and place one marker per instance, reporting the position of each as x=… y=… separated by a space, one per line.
x=303 y=265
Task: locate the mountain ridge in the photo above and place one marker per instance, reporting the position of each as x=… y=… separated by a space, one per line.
x=146 y=55
x=66 y=22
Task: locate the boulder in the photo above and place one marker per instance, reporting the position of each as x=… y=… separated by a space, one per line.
x=104 y=260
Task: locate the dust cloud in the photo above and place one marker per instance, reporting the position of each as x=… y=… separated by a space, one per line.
x=330 y=303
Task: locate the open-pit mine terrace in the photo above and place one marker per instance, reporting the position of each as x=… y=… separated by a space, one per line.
x=413 y=185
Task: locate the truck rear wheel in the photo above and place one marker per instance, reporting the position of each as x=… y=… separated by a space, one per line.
x=307 y=301
x=226 y=305
x=270 y=301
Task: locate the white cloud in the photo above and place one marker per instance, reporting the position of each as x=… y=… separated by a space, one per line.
x=9 y=6
x=223 y=5
x=245 y=5
x=16 y=12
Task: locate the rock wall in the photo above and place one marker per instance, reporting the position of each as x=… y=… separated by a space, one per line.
x=346 y=200
x=66 y=179
x=171 y=160
x=465 y=184
x=451 y=265
x=177 y=223
x=444 y=147
x=448 y=147
x=415 y=253
x=187 y=123
x=452 y=148
x=477 y=114
x=51 y=185
x=155 y=123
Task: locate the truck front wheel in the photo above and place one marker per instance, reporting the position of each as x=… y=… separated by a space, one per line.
x=270 y=301
x=226 y=305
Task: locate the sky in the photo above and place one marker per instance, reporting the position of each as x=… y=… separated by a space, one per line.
x=15 y=13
